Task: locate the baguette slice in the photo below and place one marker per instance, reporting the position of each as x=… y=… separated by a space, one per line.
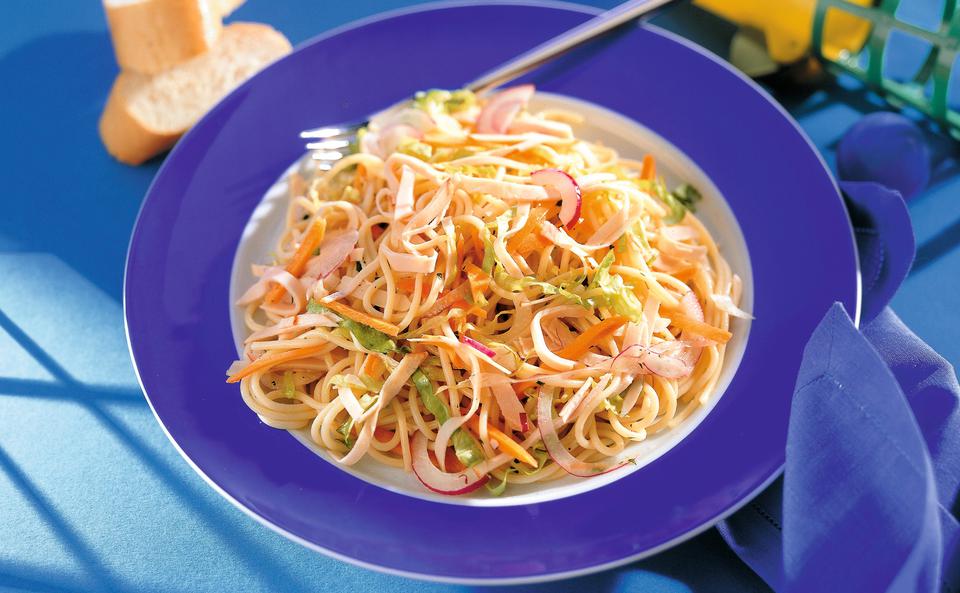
x=225 y=7
x=153 y=35
x=146 y=114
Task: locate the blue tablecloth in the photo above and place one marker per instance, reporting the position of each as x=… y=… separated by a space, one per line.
x=92 y=495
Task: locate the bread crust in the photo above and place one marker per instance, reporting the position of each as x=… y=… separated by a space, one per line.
x=152 y=35
x=128 y=139
x=131 y=139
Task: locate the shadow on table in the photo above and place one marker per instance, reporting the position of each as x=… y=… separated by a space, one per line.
x=65 y=387
x=55 y=168
x=704 y=563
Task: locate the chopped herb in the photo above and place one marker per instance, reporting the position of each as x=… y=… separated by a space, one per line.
x=316 y=252
x=359 y=266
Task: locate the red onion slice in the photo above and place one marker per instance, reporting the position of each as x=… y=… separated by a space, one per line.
x=569 y=190
x=439 y=481
x=478 y=346
x=497 y=115
x=559 y=453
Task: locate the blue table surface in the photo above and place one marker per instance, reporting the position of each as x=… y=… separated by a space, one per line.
x=92 y=495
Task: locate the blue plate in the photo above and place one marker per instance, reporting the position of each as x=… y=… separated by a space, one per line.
x=179 y=262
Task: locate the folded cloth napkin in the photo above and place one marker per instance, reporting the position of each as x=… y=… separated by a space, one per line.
x=868 y=499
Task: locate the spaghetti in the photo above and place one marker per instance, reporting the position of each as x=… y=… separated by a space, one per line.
x=476 y=294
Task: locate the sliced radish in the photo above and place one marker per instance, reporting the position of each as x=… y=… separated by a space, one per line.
x=569 y=191
x=559 y=453
x=439 y=481
x=498 y=113
x=478 y=346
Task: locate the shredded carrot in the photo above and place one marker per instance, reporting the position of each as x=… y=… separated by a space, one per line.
x=528 y=238
x=507 y=444
x=446 y=300
x=649 y=168
x=358 y=176
x=689 y=324
x=451 y=461
x=361 y=317
x=479 y=281
x=298 y=263
x=271 y=360
x=372 y=366
x=593 y=335
x=383 y=435
x=522 y=386
x=406 y=285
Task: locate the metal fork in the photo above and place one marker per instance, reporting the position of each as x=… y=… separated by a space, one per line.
x=328 y=144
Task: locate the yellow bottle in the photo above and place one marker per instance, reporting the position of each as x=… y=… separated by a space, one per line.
x=787 y=25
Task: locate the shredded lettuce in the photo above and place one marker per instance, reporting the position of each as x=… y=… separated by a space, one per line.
x=489 y=255
x=681 y=199
x=416 y=149
x=372 y=339
x=350 y=194
x=499 y=488
x=485 y=171
x=613 y=404
x=346 y=429
x=467 y=449
x=512 y=284
x=613 y=293
x=288 y=387
x=372 y=385
x=540 y=455
x=445 y=101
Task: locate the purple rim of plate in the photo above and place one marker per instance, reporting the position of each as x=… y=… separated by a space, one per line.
x=180 y=255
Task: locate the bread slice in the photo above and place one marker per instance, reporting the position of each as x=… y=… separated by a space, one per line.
x=225 y=7
x=153 y=35
x=146 y=114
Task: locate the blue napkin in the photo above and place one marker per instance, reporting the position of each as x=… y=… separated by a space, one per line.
x=868 y=500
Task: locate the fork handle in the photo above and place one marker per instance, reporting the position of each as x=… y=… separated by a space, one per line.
x=563 y=43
